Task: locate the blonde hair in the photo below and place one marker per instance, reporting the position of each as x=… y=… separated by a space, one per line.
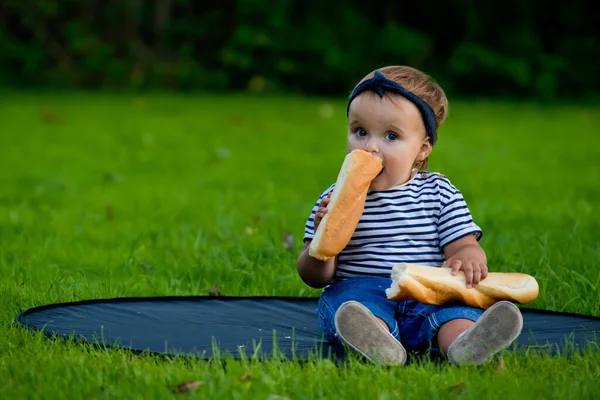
x=421 y=85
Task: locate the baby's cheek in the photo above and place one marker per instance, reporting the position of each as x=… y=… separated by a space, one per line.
x=352 y=143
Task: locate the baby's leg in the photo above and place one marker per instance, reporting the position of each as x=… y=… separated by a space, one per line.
x=450 y=331
x=383 y=323
x=466 y=335
x=494 y=331
x=356 y=312
x=431 y=328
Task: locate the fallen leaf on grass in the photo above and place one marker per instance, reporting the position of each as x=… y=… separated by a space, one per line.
x=238 y=119
x=500 y=366
x=51 y=117
x=215 y=291
x=288 y=241
x=187 y=387
x=247 y=376
x=110 y=213
x=459 y=387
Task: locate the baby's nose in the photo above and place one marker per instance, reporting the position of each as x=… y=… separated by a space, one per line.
x=372 y=147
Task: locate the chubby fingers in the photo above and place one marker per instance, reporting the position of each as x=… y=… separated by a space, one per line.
x=454 y=265
x=476 y=274
x=480 y=272
x=467 y=268
x=321 y=211
x=323 y=206
x=484 y=271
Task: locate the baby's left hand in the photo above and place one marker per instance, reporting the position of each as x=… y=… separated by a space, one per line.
x=472 y=261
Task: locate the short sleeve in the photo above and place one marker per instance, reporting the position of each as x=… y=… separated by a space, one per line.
x=309 y=230
x=455 y=221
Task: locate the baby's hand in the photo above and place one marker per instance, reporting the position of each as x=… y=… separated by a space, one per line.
x=322 y=210
x=472 y=261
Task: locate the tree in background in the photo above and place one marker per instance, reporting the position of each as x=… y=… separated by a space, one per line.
x=511 y=48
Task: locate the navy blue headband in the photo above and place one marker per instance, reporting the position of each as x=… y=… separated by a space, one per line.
x=379 y=84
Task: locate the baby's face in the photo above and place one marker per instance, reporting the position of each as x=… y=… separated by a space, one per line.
x=391 y=128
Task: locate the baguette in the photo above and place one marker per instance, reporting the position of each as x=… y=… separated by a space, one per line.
x=346 y=204
x=433 y=285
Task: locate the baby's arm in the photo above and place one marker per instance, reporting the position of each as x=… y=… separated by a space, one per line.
x=466 y=254
x=316 y=273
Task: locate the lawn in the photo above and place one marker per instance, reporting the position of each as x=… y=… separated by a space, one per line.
x=106 y=195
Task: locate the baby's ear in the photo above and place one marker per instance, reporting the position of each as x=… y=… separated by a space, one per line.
x=426 y=148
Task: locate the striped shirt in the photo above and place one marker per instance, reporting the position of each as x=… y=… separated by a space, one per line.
x=409 y=223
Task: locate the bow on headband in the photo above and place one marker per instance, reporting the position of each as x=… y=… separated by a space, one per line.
x=379 y=84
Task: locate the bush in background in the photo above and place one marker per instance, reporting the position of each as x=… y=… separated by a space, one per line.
x=512 y=48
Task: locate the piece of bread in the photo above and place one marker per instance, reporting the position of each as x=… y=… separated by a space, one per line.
x=434 y=285
x=346 y=204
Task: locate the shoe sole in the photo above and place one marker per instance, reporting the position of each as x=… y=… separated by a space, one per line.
x=360 y=330
x=495 y=330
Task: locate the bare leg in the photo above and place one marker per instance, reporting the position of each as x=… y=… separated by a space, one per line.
x=495 y=330
x=450 y=331
x=382 y=322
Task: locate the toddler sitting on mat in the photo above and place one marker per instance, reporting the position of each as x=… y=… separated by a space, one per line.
x=410 y=216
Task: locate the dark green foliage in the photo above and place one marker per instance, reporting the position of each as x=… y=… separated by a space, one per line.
x=510 y=48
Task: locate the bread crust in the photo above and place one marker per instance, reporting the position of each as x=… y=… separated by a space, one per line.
x=346 y=204
x=433 y=285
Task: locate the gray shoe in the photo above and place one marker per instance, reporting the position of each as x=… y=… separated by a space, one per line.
x=494 y=331
x=359 y=329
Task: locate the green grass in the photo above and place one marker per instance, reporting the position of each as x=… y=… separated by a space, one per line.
x=115 y=195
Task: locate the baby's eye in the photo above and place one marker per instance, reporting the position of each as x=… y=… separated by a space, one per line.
x=391 y=136
x=360 y=132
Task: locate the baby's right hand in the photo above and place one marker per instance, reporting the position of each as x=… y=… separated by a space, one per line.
x=322 y=210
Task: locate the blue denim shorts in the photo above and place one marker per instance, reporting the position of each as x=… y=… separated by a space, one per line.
x=414 y=324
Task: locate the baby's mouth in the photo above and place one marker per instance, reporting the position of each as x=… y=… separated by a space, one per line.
x=380 y=172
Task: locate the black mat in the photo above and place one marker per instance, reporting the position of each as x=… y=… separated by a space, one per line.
x=252 y=326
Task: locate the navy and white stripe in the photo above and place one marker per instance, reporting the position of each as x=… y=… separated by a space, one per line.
x=409 y=223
